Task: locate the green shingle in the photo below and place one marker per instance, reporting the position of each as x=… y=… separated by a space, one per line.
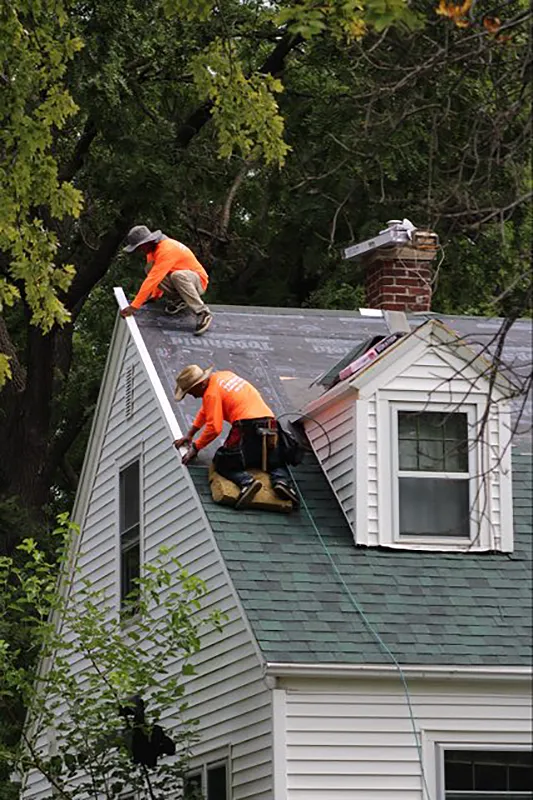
x=428 y=608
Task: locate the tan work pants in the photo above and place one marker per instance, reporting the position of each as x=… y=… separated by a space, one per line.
x=184 y=284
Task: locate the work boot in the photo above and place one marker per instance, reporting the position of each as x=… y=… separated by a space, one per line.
x=286 y=491
x=175 y=308
x=203 y=321
x=247 y=493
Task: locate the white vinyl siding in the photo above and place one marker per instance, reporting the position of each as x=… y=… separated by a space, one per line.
x=359 y=461
x=228 y=695
x=354 y=740
x=334 y=443
x=450 y=386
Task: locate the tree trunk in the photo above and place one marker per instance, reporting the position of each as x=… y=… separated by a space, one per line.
x=26 y=426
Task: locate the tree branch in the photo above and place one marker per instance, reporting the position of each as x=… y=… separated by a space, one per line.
x=274 y=65
x=234 y=188
x=96 y=267
x=80 y=151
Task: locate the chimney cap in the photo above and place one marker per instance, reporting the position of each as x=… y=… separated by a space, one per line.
x=397 y=232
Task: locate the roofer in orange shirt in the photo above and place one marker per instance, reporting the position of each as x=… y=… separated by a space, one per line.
x=226 y=396
x=173 y=270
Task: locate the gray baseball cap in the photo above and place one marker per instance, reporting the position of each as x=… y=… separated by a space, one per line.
x=138 y=235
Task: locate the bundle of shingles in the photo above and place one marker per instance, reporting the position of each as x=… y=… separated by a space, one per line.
x=226 y=492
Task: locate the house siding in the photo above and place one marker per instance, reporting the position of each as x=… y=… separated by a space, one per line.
x=228 y=695
x=354 y=740
x=354 y=443
x=438 y=376
x=333 y=441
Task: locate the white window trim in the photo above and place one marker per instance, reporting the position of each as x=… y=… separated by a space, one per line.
x=470 y=411
x=435 y=742
x=388 y=403
x=475 y=744
x=133 y=454
x=216 y=758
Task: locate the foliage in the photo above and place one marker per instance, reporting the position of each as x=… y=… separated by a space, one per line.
x=245 y=112
x=472 y=281
x=433 y=125
x=149 y=655
x=186 y=110
x=346 y=19
x=36 y=44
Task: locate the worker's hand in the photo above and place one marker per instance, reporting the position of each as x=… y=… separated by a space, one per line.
x=185 y=441
x=127 y=312
x=191 y=453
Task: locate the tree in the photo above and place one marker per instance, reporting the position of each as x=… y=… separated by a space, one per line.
x=183 y=124
x=433 y=124
x=170 y=69
x=106 y=718
x=36 y=43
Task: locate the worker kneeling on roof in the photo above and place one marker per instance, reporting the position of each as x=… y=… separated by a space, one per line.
x=253 y=440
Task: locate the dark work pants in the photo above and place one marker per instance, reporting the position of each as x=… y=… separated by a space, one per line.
x=243 y=448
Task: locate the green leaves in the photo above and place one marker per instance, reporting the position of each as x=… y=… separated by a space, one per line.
x=345 y=19
x=191 y=10
x=36 y=45
x=92 y=663
x=245 y=111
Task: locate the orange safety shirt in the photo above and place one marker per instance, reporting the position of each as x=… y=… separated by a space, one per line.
x=229 y=398
x=168 y=256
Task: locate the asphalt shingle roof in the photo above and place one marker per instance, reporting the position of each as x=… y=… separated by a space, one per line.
x=428 y=608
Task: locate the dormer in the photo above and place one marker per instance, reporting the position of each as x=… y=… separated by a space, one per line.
x=413 y=433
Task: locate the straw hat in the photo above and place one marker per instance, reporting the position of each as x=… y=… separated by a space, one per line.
x=189 y=377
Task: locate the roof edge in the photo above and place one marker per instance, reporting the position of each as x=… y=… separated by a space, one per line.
x=149 y=368
x=281 y=669
x=172 y=424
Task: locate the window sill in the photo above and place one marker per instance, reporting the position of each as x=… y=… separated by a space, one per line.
x=437 y=544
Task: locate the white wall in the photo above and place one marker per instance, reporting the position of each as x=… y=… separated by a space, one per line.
x=334 y=442
x=228 y=695
x=353 y=740
x=355 y=444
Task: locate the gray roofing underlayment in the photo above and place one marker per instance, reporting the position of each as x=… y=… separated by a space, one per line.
x=429 y=608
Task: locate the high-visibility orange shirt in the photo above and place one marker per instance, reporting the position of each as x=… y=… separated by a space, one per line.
x=168 y=256
x=229 y=398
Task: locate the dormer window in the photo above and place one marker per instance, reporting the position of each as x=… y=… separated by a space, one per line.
x=433 y=474
x=402 y=443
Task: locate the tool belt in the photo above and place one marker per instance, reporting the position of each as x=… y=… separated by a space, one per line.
x=265 y=428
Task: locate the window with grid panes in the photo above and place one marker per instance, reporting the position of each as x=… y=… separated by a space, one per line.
x=129 y=520
x=434 y=475
x=209 y=784
x=488 y=775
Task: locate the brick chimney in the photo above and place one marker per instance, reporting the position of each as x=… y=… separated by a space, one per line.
x=398 y=266
x=399 y=277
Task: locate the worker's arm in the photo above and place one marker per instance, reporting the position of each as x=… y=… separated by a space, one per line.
x=148 y=286
x=189 y=436
x=128 y=311
x=214 y=419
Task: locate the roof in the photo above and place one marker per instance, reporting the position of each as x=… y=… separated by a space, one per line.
x=284 y=352
x=428 y=608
